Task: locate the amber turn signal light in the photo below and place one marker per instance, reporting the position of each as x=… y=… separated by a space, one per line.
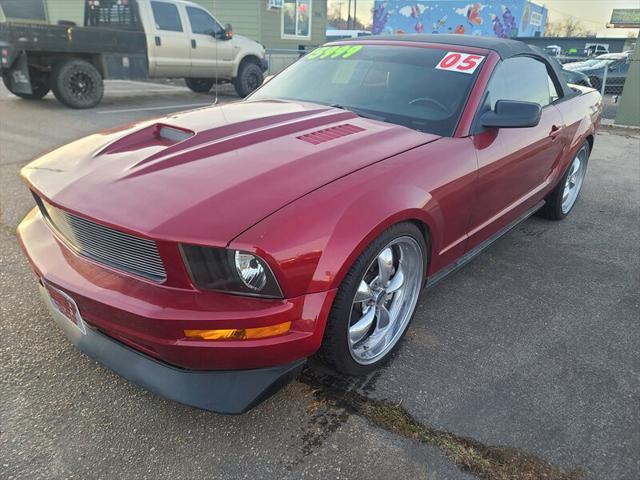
x=239 y=334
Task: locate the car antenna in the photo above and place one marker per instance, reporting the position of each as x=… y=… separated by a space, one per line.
x=215 y=100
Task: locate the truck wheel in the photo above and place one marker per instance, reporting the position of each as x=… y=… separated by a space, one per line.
x=199 y=85
x=77 y=84
x=39 y=87
x=249 y=78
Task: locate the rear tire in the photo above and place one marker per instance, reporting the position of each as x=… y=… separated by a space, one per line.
x=369 y=315
x=39 y=86
x=199 y=85
x=562 y=199
x=249 y=78
x=77 y=84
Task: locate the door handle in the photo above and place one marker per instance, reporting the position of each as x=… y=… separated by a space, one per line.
x=555 y=131
x=158 y=42
x=193 y=43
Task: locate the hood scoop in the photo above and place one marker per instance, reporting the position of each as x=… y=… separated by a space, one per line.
x=156 y=136
x=328 y=134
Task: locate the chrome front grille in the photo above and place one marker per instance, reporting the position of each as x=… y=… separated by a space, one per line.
x=105 y=245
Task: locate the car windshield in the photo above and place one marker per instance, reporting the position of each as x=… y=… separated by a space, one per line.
x=398 y=85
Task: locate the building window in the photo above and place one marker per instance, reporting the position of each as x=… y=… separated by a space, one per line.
x=296 y=19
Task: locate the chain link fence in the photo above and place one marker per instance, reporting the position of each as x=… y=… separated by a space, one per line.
x=610 y=80
x=607 y=74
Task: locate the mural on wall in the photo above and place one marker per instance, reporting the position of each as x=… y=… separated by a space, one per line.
x=504 y=19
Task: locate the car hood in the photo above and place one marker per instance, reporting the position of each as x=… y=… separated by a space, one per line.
x=586 y=66
x=206 y=175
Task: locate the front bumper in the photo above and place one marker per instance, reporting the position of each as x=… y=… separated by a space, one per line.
x=136 y=327
x=232 y=392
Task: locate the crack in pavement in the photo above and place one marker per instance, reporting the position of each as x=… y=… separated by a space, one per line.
x=336 y=397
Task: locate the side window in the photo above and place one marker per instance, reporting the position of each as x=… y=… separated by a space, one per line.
x=202 y=23
x=524 y=79
x=166 y=16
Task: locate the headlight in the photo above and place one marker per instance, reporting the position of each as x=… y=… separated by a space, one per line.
x=251 y=270
x=230 y=271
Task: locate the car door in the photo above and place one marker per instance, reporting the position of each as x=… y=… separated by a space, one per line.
x=211 y=54
x=170 y=45
x=515 y=165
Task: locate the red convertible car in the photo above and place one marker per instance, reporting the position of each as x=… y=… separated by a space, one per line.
x=206 y=255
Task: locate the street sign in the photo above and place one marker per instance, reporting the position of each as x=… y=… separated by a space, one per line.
x=625 y=18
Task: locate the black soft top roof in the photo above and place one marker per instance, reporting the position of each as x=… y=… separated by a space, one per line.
x=505 y=48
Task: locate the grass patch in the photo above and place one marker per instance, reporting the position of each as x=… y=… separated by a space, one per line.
x=471 y=456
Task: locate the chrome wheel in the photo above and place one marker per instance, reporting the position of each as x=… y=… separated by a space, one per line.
x=386 y=298
x=574 y=180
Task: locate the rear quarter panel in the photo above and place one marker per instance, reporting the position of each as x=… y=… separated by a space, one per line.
x=581 y=115
x=312 y=242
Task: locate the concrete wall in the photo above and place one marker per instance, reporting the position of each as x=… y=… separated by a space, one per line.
x=629 y=109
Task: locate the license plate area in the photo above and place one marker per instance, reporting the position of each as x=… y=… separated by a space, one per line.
x=66 y=306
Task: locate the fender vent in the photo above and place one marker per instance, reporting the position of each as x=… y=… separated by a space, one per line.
x=321 y=136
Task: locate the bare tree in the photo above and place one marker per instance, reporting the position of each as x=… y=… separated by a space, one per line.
x=336 y=20
x=569 y=27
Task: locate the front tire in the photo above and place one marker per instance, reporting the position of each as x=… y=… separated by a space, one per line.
x=563 y=198
x=77 y=84
x=249 y=78
x=199 y=85
x=376 y=302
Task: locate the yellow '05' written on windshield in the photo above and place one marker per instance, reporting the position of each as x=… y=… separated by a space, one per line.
x=337 y=51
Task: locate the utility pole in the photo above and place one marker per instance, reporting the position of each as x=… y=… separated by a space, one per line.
x=349 y=16
x=355 y=13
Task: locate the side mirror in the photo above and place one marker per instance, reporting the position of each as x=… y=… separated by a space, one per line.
x=228 y=31
x=225 y=34
x=512 y=114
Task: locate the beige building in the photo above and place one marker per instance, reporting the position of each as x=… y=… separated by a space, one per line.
x=277 y=24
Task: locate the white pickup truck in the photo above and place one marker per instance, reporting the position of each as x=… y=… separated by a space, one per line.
x=134 y=39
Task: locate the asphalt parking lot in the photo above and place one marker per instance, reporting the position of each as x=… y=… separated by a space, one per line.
x=524 y=364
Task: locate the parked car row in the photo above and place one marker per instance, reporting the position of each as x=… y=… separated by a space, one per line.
x=614 y=65
x=590 y=50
